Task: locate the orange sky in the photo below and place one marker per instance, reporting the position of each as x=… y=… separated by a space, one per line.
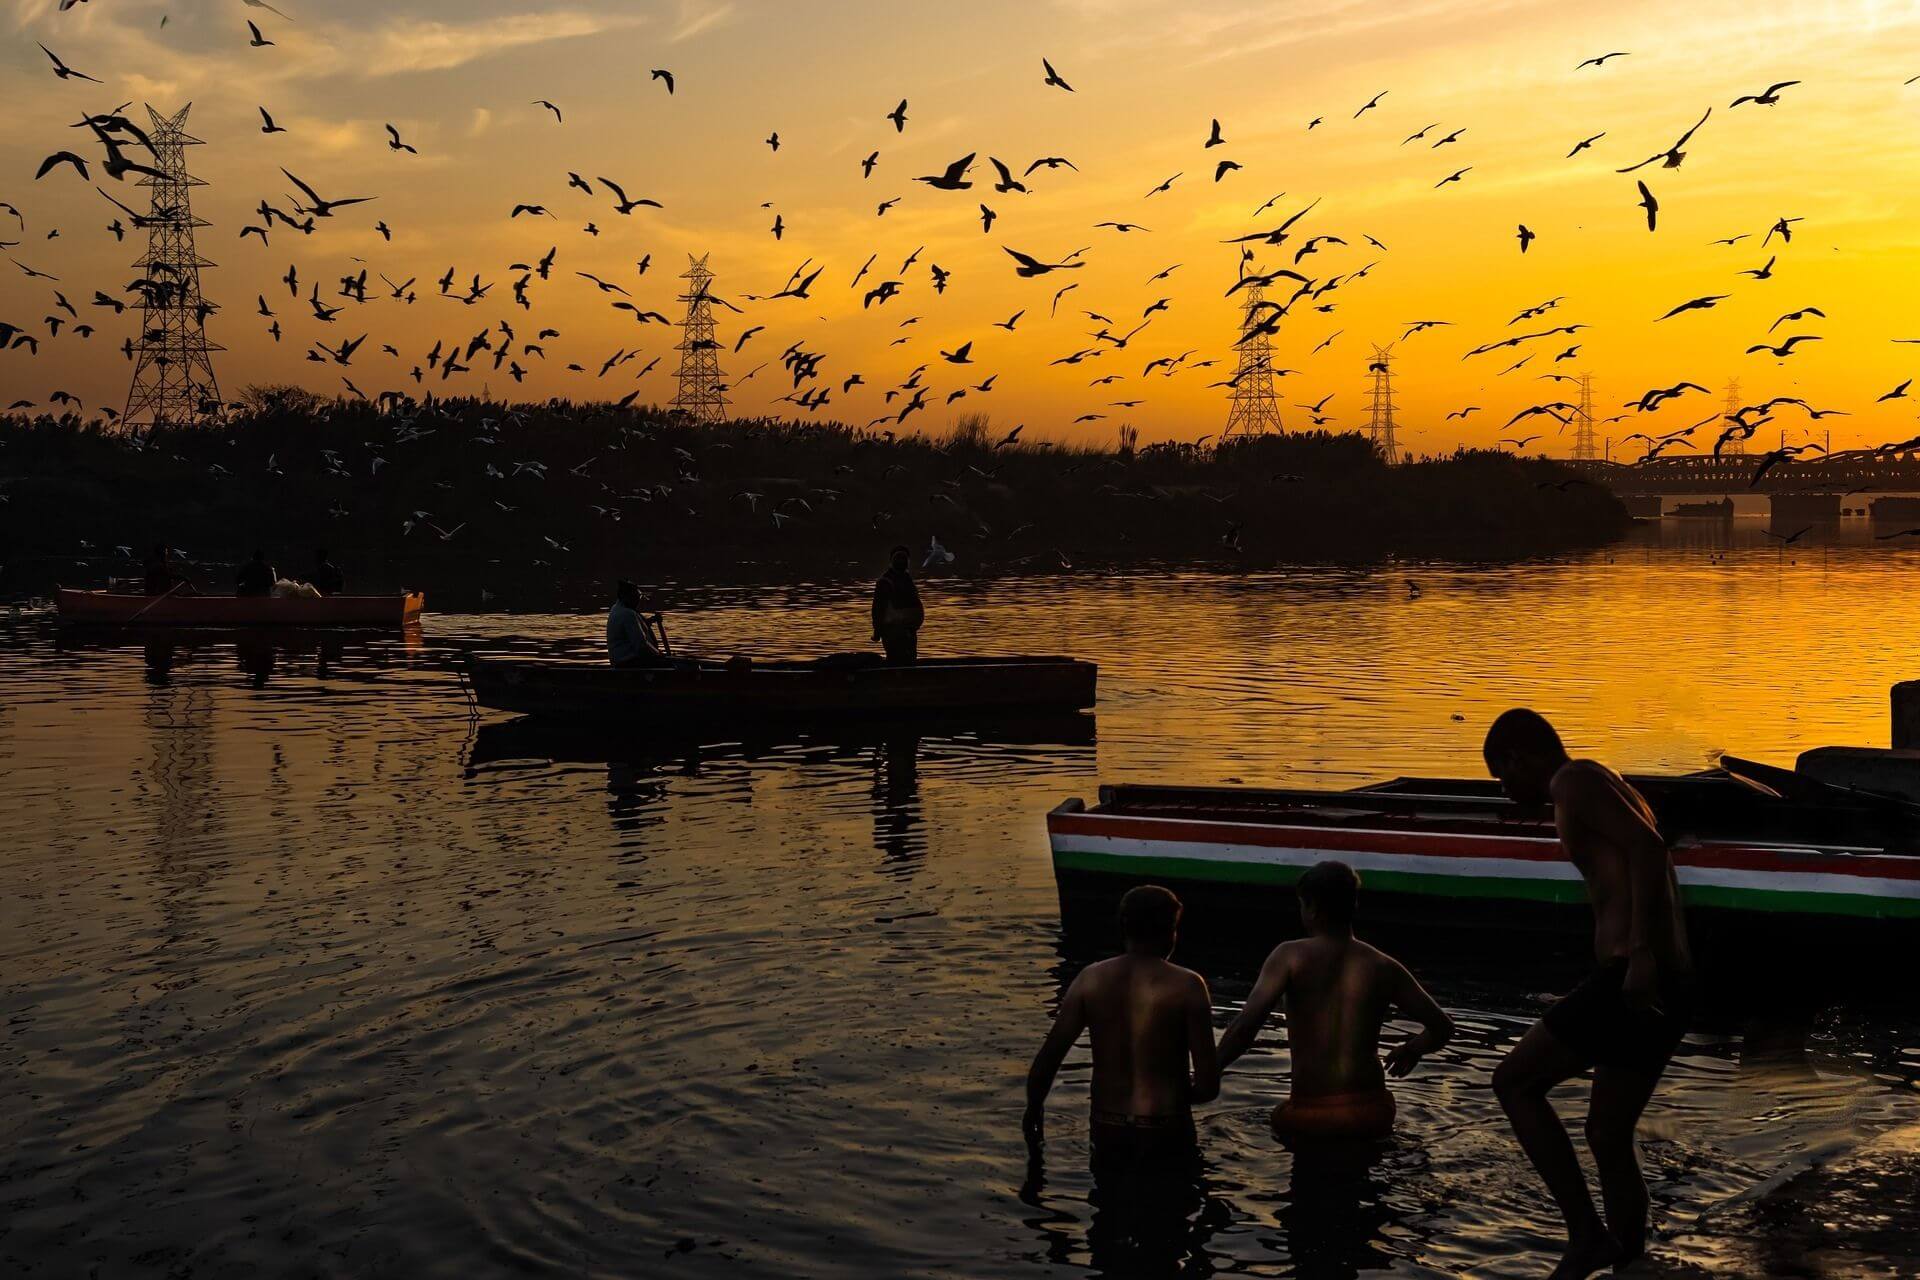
x=1839 y=150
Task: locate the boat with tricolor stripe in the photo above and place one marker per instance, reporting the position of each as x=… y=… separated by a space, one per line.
x=1446 y=853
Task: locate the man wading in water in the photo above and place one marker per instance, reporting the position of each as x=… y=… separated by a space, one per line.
x=1151 y=1022
x=1625 y=1019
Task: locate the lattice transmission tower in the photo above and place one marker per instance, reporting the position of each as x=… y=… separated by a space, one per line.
x=173 y=378
x=702 y=394
x=1254 y=409
x=1380 y=424
x=1586 y=448
x=1737 y=444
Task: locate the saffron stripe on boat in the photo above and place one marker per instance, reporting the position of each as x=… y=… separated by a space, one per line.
x=1445 y=844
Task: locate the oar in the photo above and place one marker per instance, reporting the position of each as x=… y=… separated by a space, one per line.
x=156 y=600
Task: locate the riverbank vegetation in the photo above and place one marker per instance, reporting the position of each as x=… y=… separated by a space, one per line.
x=462 y=495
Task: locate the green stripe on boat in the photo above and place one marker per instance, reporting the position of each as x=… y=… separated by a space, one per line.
x=1267 y=874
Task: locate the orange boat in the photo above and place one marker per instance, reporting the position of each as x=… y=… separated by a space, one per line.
x=124 y=609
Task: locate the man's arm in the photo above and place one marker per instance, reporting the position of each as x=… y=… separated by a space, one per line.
x=879 y=605
x=1261 y=1001
x=1436 y=1028
x=1067 y=1026
x=1200 y=1048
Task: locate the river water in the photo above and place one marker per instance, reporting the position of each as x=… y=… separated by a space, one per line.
x=308 y=969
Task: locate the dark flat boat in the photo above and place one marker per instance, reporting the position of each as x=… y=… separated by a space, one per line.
x=126 y=609
x=1775 y=866
x=849 y=685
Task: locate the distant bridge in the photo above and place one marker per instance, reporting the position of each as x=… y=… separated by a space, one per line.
x=1846 y=473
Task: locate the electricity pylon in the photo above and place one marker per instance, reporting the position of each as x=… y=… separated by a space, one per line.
x=1380 y=424
x=702 y=395
x=173 y=380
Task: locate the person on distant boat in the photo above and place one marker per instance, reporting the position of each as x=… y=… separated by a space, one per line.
x=1626 y=1019
x=1153 y=1056
x=162 y=577
x=1338 y=993
x=628 y=642
x=256 y=577
x=326 y=577
x=897 y=612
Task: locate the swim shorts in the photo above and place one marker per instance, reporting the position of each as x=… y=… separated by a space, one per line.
x=1596 y=1023
x=1362 y=1116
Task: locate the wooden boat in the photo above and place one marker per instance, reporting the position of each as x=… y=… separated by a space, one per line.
x=849 y=685
x=1768 y=868
x=123 y=609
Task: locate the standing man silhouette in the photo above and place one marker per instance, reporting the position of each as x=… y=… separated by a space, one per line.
x=897 y=612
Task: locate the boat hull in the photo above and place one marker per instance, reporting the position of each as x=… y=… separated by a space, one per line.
x=782 y=691
x=1429 y=869
x=110 y=608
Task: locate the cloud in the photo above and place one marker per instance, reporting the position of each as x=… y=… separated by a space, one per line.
x=698 y=17
x=414 y=45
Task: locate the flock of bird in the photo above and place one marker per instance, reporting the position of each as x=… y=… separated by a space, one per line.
x=1280 y=275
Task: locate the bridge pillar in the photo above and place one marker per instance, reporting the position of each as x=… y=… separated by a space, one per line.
x=1799 y=510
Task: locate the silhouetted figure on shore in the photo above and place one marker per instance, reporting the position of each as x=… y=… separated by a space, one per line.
x=1338 y=993
x=1625 y=1019
x=256 y=577
x=326 y=578
x=629 y=644
x=1153 y=1058
x=897 y=612
x=161 y=576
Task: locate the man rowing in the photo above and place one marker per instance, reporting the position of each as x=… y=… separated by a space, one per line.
x=629 y=643
x=1625 y=1020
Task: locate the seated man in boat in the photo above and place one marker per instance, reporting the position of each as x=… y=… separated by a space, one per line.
x=629 y=643
x=1152 y=1031
x=162 y=577
x=326 y=577
x=1338 y=991
x=897 y=613
x=1626 y=1019
x=256 y=577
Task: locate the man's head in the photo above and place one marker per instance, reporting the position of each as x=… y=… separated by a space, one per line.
x=1150 y=919
x=1328 y=893
x=898 y=558
x=1524 y=752
x=627 y=593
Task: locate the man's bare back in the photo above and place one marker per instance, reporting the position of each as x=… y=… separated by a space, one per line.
x=1338 y=993
x=1146 y=1018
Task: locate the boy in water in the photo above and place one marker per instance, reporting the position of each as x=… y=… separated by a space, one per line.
x=1338 y=992
x=1625 y=1019
x=1152 y=1031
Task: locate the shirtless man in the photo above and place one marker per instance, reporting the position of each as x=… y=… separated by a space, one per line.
x=1338 y=993
x=1152 y=1026
x=1625 y=1019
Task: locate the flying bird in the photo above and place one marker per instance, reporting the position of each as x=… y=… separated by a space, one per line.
x=1673 y=155
x=1525 y=237
x=1766 y=97
x=1053 y=77
x=1601 y=61
x=899 y=117
x=955 y=176
x=663 y=75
